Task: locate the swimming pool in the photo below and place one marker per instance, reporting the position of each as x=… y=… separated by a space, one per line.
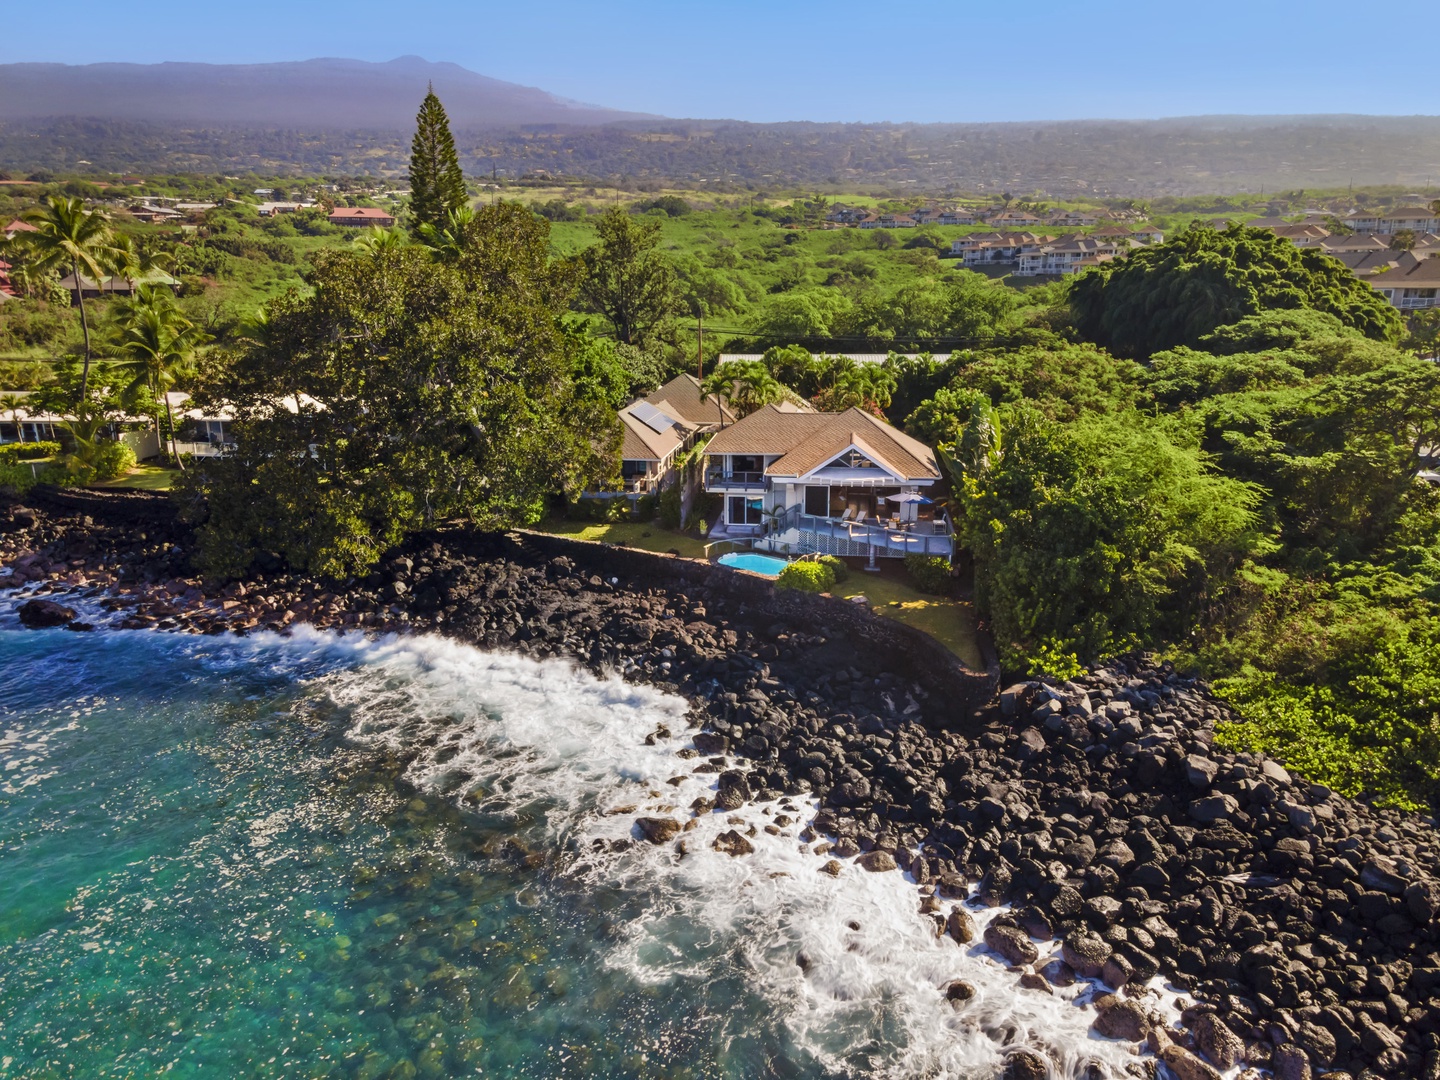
x=767 y=565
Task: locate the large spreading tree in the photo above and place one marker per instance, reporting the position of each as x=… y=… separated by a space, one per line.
x=1174 y=293
x=404 y=391
x=437 y=186
x=629 y=280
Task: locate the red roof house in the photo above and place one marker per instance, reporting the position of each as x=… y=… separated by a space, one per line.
x=361 y=215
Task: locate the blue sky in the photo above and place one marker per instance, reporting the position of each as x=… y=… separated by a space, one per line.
x=785 y=60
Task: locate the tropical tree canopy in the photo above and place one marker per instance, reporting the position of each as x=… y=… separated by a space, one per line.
x=402 y=392
x=1176 y=292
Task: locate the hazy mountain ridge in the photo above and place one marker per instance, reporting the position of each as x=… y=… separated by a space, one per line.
x=347 y=116
x=322 y=95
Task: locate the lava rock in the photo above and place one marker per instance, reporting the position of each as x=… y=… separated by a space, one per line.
x=1025 y=1065
x=960 y=926
x=1012 y=944
x=1216 y=1041
x=658 y=830
x=957 y=992
x=43 y=614
x=733 y=844
x=877 y=861
x=1121 y=1018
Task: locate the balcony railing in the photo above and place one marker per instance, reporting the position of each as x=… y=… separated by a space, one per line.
x=928 y=537
x=719 y=478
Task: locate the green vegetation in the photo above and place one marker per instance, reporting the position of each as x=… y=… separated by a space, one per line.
x=1246 y=499
x=807 y=575
x=627 y=534
x=437 y=187
x=1175 y=293
x=468 y=357
x=930 y=573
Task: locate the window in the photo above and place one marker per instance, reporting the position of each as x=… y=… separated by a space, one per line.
x=817 y=501
x=744 y=511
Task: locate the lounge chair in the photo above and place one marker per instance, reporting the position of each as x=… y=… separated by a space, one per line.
x=849 y=510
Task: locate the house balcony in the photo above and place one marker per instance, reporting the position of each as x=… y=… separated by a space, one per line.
x=734 y=480
x=798 y=534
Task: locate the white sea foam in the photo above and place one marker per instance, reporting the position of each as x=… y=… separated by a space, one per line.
x=868 y=999
x=513 y=737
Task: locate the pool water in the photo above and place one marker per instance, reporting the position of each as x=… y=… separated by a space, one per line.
x=756 y=564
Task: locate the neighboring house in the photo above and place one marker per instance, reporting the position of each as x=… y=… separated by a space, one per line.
x=962 y=217
x=1072 y=219
x=1147 y=234
x=270 y=209
x=7 y=290
x=887 y=221
x=1066 y=255
x=858 y=357
x=263 y=192
x=1018 y=218
x=18 y=226
x=662 y=426
x=1413 y=284
x=997 y=248
x=841 y=214
x=803 y=482
x=116 y=285
x=155 y=215
x=1359 y=242
x=1303 y=235
x=1418 y=219
x=361 y=216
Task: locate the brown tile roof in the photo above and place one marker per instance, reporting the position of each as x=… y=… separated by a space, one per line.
x=644 y=443
x=20 y=226
x=805 y=441
x=681 y=398
x=1424 y=274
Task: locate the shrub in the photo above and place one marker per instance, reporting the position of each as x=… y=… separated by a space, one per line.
x=815 y=577
x=930 y=573
x=111 y=460
x=30 y=451
x=837 y=566
x=671 y=502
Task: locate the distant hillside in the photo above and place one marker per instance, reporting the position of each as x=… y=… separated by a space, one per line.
x=347 y=117
x=313 y=95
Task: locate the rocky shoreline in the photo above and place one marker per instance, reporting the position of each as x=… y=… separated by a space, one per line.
x=1305 y=927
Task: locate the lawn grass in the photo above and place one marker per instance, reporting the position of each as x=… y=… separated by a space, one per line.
x=144 y=478
x=950 y=622
x=644 y=537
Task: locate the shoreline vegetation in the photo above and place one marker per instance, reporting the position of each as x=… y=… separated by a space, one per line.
x=1127 y=843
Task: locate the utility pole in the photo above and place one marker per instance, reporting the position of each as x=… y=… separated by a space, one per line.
x=700 y=346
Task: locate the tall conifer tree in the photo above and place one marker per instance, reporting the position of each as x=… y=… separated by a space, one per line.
x=436 y=183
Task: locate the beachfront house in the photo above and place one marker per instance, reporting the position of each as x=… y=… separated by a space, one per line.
x=836 y=483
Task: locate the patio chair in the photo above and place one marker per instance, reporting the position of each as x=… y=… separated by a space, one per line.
x=849 y=511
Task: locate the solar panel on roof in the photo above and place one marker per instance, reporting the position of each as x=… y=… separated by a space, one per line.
x=651 y=417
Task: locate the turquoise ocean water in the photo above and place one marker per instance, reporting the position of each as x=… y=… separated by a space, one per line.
x=323 y=856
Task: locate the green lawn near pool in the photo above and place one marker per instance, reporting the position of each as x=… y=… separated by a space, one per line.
x=144 y=478
x=630 y=534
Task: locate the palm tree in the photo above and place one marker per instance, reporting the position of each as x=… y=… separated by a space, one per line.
x=155 y=346
x=132 y=262
x=378 y=241
x=449 y=242
x=746 y=384
x=67 y=234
